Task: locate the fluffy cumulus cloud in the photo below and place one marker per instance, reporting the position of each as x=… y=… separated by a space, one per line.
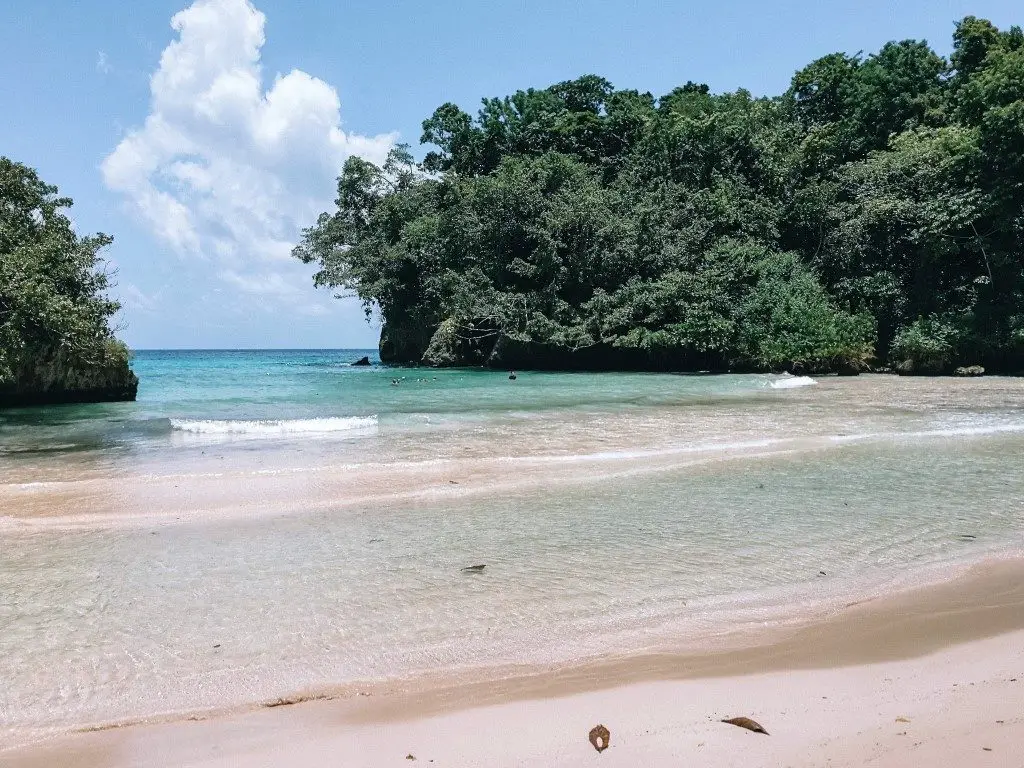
x=228 y=167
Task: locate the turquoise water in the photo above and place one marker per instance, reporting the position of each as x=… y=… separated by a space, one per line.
x=261 y=524
x=188 y=386
x=238 y=396
x=240 y=391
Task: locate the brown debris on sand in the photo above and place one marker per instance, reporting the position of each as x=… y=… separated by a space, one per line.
x=746 y=722
x=600 y=737
x=290 y=700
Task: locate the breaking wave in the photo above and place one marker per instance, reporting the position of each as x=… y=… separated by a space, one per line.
x=788 y=381
x=274 y=427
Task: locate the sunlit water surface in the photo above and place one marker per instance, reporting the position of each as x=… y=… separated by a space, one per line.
x=265 y=524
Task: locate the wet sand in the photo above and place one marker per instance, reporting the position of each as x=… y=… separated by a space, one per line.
x=933 y=676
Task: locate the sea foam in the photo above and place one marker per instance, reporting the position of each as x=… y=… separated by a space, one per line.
x=788 y=381
x=274 y=427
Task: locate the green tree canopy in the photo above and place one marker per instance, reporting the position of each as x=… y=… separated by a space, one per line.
x=877 y=201
x=53 y=302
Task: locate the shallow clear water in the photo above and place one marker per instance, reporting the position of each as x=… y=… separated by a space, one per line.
x=261 y=524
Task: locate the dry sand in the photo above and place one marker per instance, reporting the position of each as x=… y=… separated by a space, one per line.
x=933 y=677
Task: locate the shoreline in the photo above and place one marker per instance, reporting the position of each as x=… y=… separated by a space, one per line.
x=984 y=607
x=984 y=601
x=238 y=492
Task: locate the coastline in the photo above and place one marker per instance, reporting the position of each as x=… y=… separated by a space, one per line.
x=944 y=644
x=664 y=544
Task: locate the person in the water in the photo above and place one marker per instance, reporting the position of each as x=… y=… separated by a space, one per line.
x=511 y=375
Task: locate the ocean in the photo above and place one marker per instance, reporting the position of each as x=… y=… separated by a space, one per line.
x=265 y=524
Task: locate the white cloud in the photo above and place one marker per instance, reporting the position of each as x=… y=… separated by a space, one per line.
x=103 y=63
x=134 y=298
x=226 y=169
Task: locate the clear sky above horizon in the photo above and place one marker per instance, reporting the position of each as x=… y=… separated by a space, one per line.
x=203 y=147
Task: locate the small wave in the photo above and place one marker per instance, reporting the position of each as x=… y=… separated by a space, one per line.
x=981 y=430
x=788 y=381
x=273 y=427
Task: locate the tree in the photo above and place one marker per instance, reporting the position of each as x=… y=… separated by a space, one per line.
x=873 y=207
x=53 y=303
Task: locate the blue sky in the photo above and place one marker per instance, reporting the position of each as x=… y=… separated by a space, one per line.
x=204 y=147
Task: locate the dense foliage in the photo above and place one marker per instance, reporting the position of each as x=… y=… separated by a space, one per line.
x=54 y=313
x=875 y=211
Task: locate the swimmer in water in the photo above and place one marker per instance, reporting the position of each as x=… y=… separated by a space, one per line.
x=511 y=375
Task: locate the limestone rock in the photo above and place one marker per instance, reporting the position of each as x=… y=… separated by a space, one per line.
x=57 y=378
x=403 y=343
x=970 y=371
x=443 y=349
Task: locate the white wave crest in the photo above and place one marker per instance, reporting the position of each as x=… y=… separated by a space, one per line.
x=273 y=427
x=788 y=381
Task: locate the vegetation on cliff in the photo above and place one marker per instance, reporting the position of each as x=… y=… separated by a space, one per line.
x=56 y=344
x=874 y=211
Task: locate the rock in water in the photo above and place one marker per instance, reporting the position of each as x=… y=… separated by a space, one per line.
x=474 y=569
x=600 y=737
x=847 y=368
x=59 y=377
x=970 y=370
x=746 y=722
x=362 y=361
x=443 y=349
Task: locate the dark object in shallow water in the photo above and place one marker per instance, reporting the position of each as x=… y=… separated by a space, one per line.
x=362 y=361
x=600 y=737
x=474 y=569
x=970 y=371
x=511 y=375
x=746 y=722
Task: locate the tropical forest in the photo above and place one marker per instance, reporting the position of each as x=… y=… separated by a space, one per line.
x=869 y=218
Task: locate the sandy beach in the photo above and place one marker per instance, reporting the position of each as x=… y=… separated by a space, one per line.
x=512 y=385
x=930 y=677
x=840 y=561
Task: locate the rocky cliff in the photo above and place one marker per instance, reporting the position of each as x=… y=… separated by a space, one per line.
x=55 y=378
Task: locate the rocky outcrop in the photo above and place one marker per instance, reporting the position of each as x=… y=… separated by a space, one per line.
x=362 y=361
x=443 y=350
x=52 y=379
x=970 y=371
x=846 y=368
x=453 y=345
x=912 y=367
x=403 y=343
x=450 y=345
x=510 y=353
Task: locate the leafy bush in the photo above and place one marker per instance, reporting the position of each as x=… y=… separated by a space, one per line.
x=928 y=345
x=789 y=321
